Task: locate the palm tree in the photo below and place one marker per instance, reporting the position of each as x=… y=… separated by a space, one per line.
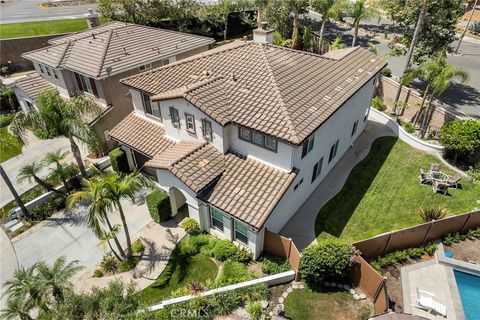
x=57 y=116
x=14 y=192
x=15 y=309
x=8 y=94
x=438 y=76
x=259 y=6
x=94 y=193
x=25 y=286
x=57 y=278
x=329 y=9
x=112 y=235
x=59 y=171
x=120 y=187
x=30 y=172
x=359 y=11
x=296 y=7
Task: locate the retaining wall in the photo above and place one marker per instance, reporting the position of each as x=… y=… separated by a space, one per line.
x=272 y=280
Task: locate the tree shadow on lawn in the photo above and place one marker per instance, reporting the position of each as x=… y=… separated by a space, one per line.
x=334 y=216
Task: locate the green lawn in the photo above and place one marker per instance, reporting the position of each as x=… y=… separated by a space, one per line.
x=180 y=271
x=306 y=304
x=9 y=145
x=382 y=194
x=26 y=29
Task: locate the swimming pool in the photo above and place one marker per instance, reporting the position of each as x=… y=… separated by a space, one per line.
x=469 y=289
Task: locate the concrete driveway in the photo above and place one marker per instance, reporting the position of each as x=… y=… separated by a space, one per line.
x=301 y=227
x=65 y=234
x=33 y=150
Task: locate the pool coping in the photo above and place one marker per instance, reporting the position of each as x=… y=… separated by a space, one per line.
x=452 y=283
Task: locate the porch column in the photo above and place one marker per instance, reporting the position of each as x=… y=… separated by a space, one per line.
x=255 y=242
x=131 y=162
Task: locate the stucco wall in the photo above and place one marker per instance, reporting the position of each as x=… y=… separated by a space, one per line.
x=339 y=126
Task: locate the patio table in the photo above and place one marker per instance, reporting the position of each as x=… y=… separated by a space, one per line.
x=439 y=176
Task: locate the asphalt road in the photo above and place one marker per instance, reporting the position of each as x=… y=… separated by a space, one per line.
x=463 y=99
x=14 y=11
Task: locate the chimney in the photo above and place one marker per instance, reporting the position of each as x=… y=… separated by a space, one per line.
x=263 y=34
x=92 y=19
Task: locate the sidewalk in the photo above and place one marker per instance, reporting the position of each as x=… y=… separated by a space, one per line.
x=301 y=227
x=8 y=262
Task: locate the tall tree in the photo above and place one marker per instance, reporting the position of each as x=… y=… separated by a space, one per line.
x=466 y=26
x=57 y=116
x=8 y=94
x=413 y=43
x=60 y=171
x=56 y=279
x=30 y=173
x=14 y=192
x=329 y=9
x=260 y=5
x=100 y=206
x=296 y=8
x=360 y=11
x=438 y=30
x=118 y=188
x=15 y=309
x=438 y=76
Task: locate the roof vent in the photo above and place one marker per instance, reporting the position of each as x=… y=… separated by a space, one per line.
x=206 y=73
x=124 y=50
x=93 y=35
x=234 y=78
x=92 y=19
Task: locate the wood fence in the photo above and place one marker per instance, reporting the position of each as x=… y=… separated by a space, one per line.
x=282 y=247
x=417 y=235
x=372 y=283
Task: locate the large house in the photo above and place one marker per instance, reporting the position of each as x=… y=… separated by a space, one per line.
x=242 y=135
x=92 y=62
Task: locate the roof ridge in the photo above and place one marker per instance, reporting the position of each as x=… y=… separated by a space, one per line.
x=44 y=48
x=91 y=30
x=104 y=55
x=279 y=93
x=202 y=55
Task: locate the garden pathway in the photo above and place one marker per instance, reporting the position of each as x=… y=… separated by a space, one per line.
x=301 y=227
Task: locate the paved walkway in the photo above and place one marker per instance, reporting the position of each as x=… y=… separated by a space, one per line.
x=34 y=150
x=65 y=234
x=8 y=261
x=301 y=227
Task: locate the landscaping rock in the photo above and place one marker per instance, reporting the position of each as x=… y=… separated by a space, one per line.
x=289 y=290
x=352 y=291
x=346 y=287
x=295 y=285
x=356 y=297
x=264 y=304
x=281 y=300
x=285 y=294
x=279 y=309
x=302 y=286
x=362 y=296
x=270 y=313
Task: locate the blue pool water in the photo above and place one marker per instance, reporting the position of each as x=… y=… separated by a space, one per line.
x=469 y=289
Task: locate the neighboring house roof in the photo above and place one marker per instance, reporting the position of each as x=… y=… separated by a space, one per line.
x=248 y=189
x=141 y=135
x=32 y=85
x=245 y=188
x=278 y=91
x=114 y=48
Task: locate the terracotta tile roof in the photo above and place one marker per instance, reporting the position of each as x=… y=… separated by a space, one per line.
x=141 y=135
x=33 y=84
x=196 y=165
x=248 y=189
x=114 y=48
x=281 y=92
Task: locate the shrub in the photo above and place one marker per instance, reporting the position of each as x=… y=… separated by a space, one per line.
x=461 y=138
x=474 y=173
x=195 y=243
x=254 y=310
x=138 y=247
x=224 y=249
x=46 y=209
x=98 y=273
x=209 y=248
x=401 y=256
x=41 y=134
x=5 y=120
x=191 y=226
x=386 y=72
x=242 y=255
x=377 y=103
x=274 y=264
x=409 y=127
x=430 y=214
x=457 y=237
x=128 y=264
x=109 y=264
x=324 y=258
x=118 y=159
x=233 y=272
x=158 y=204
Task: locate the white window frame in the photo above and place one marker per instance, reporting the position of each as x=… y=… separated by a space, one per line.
x=145 y=66
x=333 y=151
x=212 y=225
x=55 y=73
x=42 y=70
x=355 y=127
x=87 y=86
x=207 y=130
x=174 y=117
x=190 y=123
x=235 y=223
x=307 y=145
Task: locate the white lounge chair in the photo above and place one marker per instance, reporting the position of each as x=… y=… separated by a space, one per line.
x=425 y=300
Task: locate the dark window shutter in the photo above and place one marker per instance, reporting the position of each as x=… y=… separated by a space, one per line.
x=94 y=87
x=79 y=83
